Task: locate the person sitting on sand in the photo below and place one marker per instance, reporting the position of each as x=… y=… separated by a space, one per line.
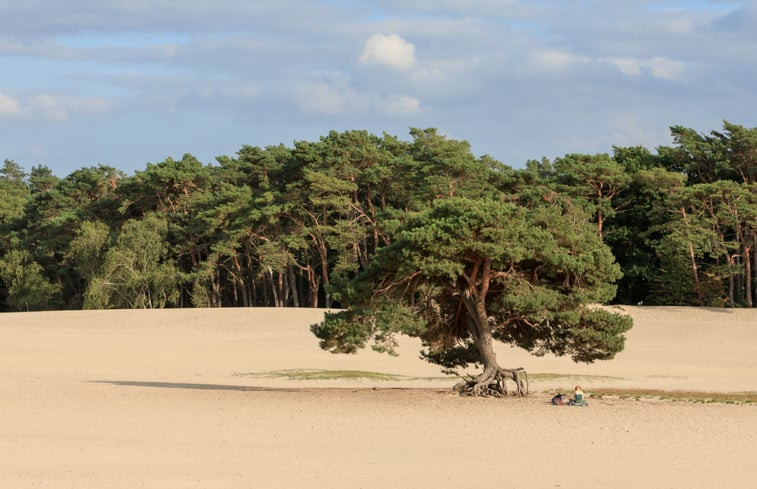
x=578 y=395
x=578 y=398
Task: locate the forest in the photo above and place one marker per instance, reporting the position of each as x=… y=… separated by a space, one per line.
x=291 y=226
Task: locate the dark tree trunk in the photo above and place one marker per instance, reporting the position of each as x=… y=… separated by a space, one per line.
x=748 y=275
x=493 y=380
x=731 y=281
x=692 y=258
x=754 y=261
x=293 y=285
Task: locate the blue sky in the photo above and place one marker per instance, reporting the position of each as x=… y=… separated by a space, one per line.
x=125 y=83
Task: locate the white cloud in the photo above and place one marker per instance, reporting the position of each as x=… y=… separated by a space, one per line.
x=555 y=60
x=320 y=98
x=658 y=67
x=334 y=96
x=402 y=106
x=667 y=69
x=445 y=69
x=681 y=25
x=622 y=129
x=223 y=90
x=548 y=62
x=388 y=50
x=627 y=66
x=9 y=107
x=330 y=94
x=50 y=108
x=491 y=71
x=47 y=107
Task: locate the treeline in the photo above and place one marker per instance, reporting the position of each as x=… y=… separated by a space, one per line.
x=288 y=226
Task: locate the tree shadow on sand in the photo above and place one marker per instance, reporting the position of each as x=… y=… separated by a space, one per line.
x=184 y=385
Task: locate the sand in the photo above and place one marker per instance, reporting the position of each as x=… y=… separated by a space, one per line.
x=181 y=399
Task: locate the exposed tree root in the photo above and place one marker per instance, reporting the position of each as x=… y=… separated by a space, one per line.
x=493 y=383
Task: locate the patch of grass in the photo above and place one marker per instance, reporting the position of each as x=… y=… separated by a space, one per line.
x=318 y=374
x=572 y=378
x=666 y=377
x=321 y=374
x=685 y=396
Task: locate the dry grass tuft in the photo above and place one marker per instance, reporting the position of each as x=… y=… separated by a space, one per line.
x=685 y=396
x=321 y=374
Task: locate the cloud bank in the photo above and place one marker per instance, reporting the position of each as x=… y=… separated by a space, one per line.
x=517 y=79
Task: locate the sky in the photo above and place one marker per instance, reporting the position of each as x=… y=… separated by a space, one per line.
x=129 y=82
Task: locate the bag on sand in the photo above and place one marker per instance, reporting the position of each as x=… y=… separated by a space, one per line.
x=559 y=400
x=581 y=403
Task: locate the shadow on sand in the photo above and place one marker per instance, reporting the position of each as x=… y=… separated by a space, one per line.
x=183 y=385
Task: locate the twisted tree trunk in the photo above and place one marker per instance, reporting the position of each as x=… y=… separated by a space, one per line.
x=493 y=380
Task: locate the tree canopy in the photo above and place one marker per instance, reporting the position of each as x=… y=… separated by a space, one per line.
x=469 y=271
x=293 y=226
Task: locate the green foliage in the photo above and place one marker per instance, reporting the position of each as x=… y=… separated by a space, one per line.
x=674 y=285
x=637 y=232
x=28 y=289
x=86 y=251
x=599 y=179
x=535 y=271
x=135 y=273
x=349 y=331
x=295 y=226
x=14 y=192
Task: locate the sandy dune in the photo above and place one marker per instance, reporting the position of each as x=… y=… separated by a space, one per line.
x=177 y=399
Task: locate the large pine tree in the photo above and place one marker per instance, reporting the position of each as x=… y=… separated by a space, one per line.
x=468 y=272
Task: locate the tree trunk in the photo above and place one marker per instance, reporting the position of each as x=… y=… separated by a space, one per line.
x=600 y=224
x=748 y=278
x=313 y=284
x=245 y=293
x=216 y=288
x=492 y=381
x=301 y=287
x=272 y=281
x=692 y=258
x=754 y=260
x=293 y=285
x=731 y=282
x=695 y=270
x=320 y=246
x=281 y=301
